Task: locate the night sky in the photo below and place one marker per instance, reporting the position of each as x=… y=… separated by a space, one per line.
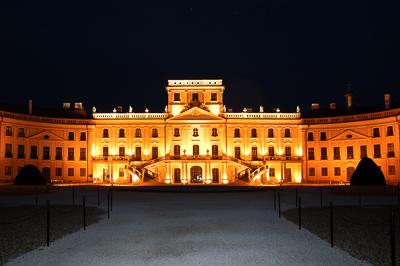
x=274 y=53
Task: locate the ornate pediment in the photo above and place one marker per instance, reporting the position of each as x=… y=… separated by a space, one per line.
x=46 y=135
x=349 y=134
x=196 y=113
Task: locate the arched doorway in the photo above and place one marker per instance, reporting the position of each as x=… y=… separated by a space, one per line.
x=350 y=171
x=46 y=174
x=196 y=174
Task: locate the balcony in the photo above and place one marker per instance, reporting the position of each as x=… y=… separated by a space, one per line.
x=112 y=157
x=193 y=157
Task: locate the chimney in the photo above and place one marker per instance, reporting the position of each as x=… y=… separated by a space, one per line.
x=66 y=105
x=30 y=106
x=388 y=98
x=348 y=97
x=315 y=106
x=332 y=106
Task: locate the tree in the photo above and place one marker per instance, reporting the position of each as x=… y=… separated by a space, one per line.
x=367 y=173
x=30 y=175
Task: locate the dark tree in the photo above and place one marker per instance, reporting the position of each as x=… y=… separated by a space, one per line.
x=30 y=175
x=367 y=173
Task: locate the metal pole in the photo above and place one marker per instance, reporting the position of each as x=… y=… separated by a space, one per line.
x=111 y=198
x=108 y=204
x=279 y=203
x=320 y=196
x=331 y=221
x=274 y=199
x=299 y=213
x=73 y=196
x=98 y=195
x=48 y=222
x=392 y=239
x=84 y=212
x=297 y=195
x=36 y=196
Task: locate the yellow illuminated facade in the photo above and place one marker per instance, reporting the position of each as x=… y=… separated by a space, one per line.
x=196 y=141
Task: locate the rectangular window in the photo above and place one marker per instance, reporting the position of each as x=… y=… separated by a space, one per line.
x=324 y=153
x=376 y=132
x=254 y=153
x=270 y=132
x=21 y=152
x=46 y=153
x=214 y=151
x=272 y=172
x=288 y=152
x=390 y=150
x=195 y=132
x=324 y=171
x=391 y=170
x=271 y=151
x=138 y=133
x=34 y=152
x=336 y=153
x=8 y=170
x=122 y=133
x=254 y=133
x=176 y=132
x=83 y=136
x=311 y=154
x=8 y=151
x=71 y=136
x=389 y=131
x=58 y=153
x=214 y=132
x=363 y=151
x=337 y=171
x=215 y=175
x=177 y=97
x=21 y=132
x=237 y=133
x=287 y=133
x=121 y=172
x=138 y=153
x=82 y=154
x=177 y=175
x=82 y=171
x=377 y=151
x=154 y=133
x=196 y=150
x=237 y=152
x=310 y=136
x=214 y=97
x=8 y=131
x=195 y=97
x=105 y=151
x=121 y=151
x=71 y=156
x=105 y=133
x=311 y=171
x=322 y=136
x=350 y=153
x=58 y=171
x=154 y=152
x=70 y=171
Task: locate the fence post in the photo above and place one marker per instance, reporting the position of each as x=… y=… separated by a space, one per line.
x=48 y=222
x=320 y=196
x=111 y=198
x=108 y=204
x=299 y=213
x=84 y=212
x=279 y=203
x=392 y=239
x=274 y=199
x=98 y=195
x=73 y=196
x=331 y=221
x=297 y=195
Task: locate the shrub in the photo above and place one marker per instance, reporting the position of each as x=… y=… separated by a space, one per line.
x=367 y=173
x=30 y=175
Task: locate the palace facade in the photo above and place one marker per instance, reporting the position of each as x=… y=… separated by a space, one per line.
x=197 y=141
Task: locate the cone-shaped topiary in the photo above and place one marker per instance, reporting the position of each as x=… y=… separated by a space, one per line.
x=367 y=173
x=30 y=175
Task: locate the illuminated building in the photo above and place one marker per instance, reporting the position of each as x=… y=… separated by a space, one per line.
x=197 y=141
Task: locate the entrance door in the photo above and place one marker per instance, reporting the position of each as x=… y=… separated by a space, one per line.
x=196 y=174
x=350 y=171
x=288 y=175
x=177 y=175
x=46 y=174
x=215 y=175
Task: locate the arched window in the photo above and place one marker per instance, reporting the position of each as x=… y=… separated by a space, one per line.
x=195 y=132
x=196 y=174
x=196 y=150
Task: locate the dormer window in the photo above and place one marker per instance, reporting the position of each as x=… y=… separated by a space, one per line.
x=177 y=97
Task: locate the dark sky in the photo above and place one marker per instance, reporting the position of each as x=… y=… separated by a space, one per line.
x=275 y=53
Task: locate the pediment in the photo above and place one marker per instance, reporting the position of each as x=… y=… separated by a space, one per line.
x=196 y=113
x=349 y=134
x=45 y=135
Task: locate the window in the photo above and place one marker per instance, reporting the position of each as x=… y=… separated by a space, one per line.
x=71 y=156
x=195 y=97
x=271 y=172
x=138 y=153
x=122 y=133
x=254 y=133
x=82 y=154
x=196 y=149
x=82 y=136
x=337 y=171
x=271 y=151
x=324 y=153
x=214 y=151
x=71 y=136
x=121 y=172
x=270 y=132
x=105 y=133
x=214 y=132
x=154 y=133
x=82 y=171
x=138 y=133
x=214 y=97
x=237 y=133
x=336 y=153
x=310 y=136
x=376 y=132
x=46 y=153
x=288 y=152
x=154 y=152
x=58 y=171
x=70 y=171
x=377 y=151
x=177 y=175
x=350 y=153
x=21 y=132
x=177 y=151
x=58 y=153
x=21 y=152
x=8 y=131
x=363 y=151
x=287 y=133
x=195 y=132
x=237 y=152
x=34 y=153
x=390 y=150
x=324 y=171
x=121 y=151
x=322 y=136
x=8 y=151
x=311 y=154
x=311 y=171
x=391 y=170
x=254 y=153
x=215 y=175
x=389 y=131
x=177 y=97
x=8 y=170
x=176 y=132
